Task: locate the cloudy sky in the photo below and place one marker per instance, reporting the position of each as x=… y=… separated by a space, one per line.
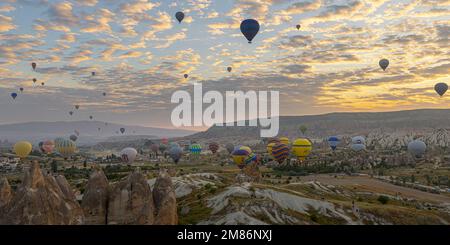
x=140 y=53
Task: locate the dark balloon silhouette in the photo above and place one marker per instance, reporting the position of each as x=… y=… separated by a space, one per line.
x=249 y=28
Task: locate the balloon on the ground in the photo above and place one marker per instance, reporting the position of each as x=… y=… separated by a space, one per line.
x=23 y=149
x=175 y=153
x=280 y=152
x=128 y=155
x=249 y=28
x=333 y=142
x=417 y=148
x=195 y=149
x=301 y=148
x=65 y=147
x=359 y=140
x=213 y=147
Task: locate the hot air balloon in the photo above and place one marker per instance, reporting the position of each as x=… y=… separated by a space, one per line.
x=122 y=130
x=99 y=129
x=270 y=147
x=93 y=73
x=21 y=89
x=33 y=65
x=175 y=153
x=301 y=148
x=229 y=69
x=186 y=75
x=71 y=113
x=42 y=83
x=229 y=147
x=65 y=147
x=179 y=16
x=34 y=80
x=441 y=88
x=274 y=140
x=48 y=146
x=358 y=140
x=249 y=28
x=73 y=138
x=91 y=117
x=154 y=147
x=23 y=149
x=280 y=152
x=303 y=129
x=173 y=144
x=128 y=155
x=77 y=107
x=333 y=142
x=40 y=146
x=417 y=148
x=195 y=149
x=165 y=141
x=162 y=148
x=243 y=156
x=284 y=140
x=298 y=27
x=384 y=63
x=76 y=132
x=104 y=94
x=213 y=147
x=14 y=95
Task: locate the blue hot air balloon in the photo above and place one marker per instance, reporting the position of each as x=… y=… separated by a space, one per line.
x=179 y=16
x=14 y=95
x=249 y=28
x=333 y=142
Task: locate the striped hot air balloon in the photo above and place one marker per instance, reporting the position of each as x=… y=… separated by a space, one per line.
x=195 y=149
x=65 y=147
x=301 y=148
x=285 y=140
x=280 y=152
x=270 y=147
x=243 y=156
x=213 y=147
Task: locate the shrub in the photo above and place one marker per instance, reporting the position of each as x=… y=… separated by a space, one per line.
x=383 y=199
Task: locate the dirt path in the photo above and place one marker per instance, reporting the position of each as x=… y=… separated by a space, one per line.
x=374 y=185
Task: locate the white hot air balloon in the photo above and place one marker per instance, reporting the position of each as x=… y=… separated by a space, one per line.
x=128 y=155
x=417 y=148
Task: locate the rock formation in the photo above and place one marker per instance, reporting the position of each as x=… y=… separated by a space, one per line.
x=5 y=192
x=131 y=201
x=165 y=200
x=95 y=199
x=40 y=200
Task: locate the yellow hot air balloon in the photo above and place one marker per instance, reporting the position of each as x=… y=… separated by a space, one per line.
x=301 y=148
x=242 y=156
x=269 y=147
x=284 y=140
x=65 y=147
x=23 y=149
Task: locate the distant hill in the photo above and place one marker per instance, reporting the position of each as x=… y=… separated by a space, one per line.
x=350 y=124
x=89 y=133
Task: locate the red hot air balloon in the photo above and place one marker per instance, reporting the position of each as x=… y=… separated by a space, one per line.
x=213 y=147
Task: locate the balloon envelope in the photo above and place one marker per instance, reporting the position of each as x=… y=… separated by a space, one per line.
x=23 y=149
x=333 y=142
x=301 y=148
x=359 y=140
x=33 y=65
x=298 y=27
x=280 y=152
x=122 y=130
x=441 y=88
x=48 y=146
x=179 y=16
x=384 y=63
x=358 y=147
x=14 y=95
x=195 y=149
x=175 y=153
x=73 y=138
x=213 y=147
x=242 y=156
x=65 y=147
x=128 y=155
x=417 y=148
x=249 y=28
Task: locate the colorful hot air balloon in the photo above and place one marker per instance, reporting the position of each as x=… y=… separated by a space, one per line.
x=417 y=148
x=175 y=153
x=23 y=149
x=270 y=147
x=65 y=147
x=186 y=75
x=274 y=140
x=249 y=28
x=280 y=152
x=128 y=155
x=33 y=65
x=441 y=88
x=298 y=27
x=243 y=156
x=122 y=130
x=73 y=138
x=384 y=63
x=165 y=141
x=213 y=147
x=229 y=147
x=195 y=149
x=48 y=146
x=14 y=95
x=179 y=16
x=229 y=69
x=333 y=142
x=284 y=140
x=301 y=148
